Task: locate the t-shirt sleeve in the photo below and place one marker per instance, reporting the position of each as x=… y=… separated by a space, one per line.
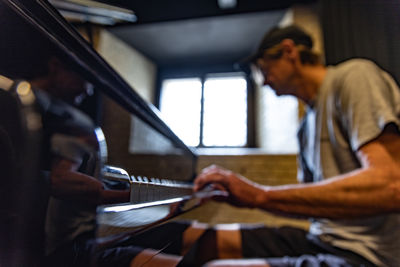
x=368 y=100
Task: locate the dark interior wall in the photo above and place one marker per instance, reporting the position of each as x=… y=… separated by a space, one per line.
x=362 y=28
x=116 y=125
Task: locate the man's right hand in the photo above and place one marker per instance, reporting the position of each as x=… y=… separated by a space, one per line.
x=241 y=191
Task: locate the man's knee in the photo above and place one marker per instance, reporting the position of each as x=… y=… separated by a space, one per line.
x=229 y=241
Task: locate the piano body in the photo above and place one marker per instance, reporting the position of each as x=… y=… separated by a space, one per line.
x=156 y=150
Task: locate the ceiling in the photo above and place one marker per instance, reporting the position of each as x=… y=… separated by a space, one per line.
x=181 y=33
x=200 y=41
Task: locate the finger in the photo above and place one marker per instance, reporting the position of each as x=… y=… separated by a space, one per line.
x=219 y=187
x=200 y=183
x=220 y=198
x=215 y=195
x=202 y=179
x=210 y=168
x=214 y=177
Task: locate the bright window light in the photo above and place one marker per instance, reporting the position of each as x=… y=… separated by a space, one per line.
x=180 y=105
x=280 y=120
x=225 y=111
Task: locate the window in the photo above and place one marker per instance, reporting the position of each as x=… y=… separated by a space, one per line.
x=209 y=112
x=278 y=122
x=277 y=119
x=180 y=105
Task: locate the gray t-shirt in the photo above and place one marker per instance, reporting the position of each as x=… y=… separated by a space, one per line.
x=355 y=102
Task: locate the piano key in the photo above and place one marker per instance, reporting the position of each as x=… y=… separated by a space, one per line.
x=135 y=190
x=144 y=189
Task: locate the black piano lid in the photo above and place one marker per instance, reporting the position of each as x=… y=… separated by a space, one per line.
x=41 y=15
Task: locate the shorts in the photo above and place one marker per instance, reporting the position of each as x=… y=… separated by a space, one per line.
x=279 y=247
x=289 y=246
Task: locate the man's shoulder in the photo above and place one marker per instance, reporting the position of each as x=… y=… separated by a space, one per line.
x=347 y=75
x=353 y=70
x=356 y=64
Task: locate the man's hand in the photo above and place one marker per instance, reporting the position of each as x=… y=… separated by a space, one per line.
x=68 y=184
x=241 y=191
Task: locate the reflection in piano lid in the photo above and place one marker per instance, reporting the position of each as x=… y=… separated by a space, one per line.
x=33 y=26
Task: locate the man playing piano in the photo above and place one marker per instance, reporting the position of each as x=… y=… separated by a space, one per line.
x=349 y=135
x=349 y=163
x=349 y=169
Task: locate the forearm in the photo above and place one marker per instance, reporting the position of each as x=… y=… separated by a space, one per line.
x=360 y=193
x=114 y=196
x=72 y=185
x=372 y=189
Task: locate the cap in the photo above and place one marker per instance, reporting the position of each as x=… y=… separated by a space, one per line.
x=276 y=35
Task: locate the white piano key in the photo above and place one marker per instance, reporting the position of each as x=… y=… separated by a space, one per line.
x=146 y=189
x=135 y=190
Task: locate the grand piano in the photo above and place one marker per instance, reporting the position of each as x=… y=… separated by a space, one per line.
x=157 y=194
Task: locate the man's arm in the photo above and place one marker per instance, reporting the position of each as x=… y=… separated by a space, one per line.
x=370 y=190
x=67 y=183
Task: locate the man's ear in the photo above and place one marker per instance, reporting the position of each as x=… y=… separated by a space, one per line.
x=289 y=48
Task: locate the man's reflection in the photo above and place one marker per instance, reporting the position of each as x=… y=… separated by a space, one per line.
x=73 y=165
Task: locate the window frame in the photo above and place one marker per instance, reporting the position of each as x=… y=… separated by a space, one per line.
x=203 y=74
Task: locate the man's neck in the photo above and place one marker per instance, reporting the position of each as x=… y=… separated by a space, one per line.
x=312 y=79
